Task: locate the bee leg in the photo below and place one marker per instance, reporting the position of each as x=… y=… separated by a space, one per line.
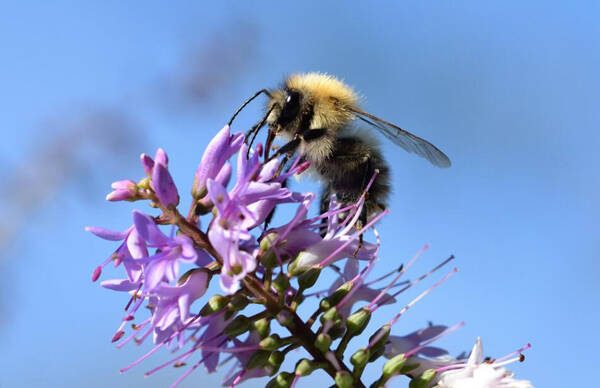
x=272 y=213
x=362 y=221
x=324 y=207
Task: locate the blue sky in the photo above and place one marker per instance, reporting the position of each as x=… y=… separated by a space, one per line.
x=510 y=91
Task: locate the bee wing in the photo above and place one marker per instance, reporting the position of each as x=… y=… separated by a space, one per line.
x=405 y=139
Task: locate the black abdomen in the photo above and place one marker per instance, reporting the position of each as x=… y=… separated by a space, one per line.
x=348 y=170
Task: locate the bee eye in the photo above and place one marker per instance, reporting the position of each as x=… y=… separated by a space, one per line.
x=291 y=107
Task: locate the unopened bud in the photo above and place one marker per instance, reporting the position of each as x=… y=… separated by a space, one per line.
x=423 y=380
x=214 y=304
x=304 y=367
x=343 y=379
x=239 y=325
x=358 y=321
x=336 y=296
x=393 y=366
x=331 y=315
x=309 y=278
x=282 y=380
x=263 y=327
x=272 y=342
x=258 y=359
x=323 y=342
x=360 y=358
x=275 y=360
x=238 y=302
x=281 y=283
x=269 y=259
x=285 y=318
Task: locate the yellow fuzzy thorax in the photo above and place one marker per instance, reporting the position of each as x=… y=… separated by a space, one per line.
x=330 y=96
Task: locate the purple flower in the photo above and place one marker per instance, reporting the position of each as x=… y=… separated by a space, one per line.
x=362 y=293
x=218 y=151
x=402 y=344
x=130 y=252
x=164 y=265
x=172 y=303
x=240 y=375
x=122 y=190
x=164 y=187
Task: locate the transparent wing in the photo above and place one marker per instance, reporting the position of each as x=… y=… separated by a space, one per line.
x=405 y=139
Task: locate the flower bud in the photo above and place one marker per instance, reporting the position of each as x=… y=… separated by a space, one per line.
x=423 y=380
x=304 y=367
x=238 y=302
x=331 y=315
x=263 y=327
x=359 y=359
x=343 y=379
x=293 y=268
x=269 y=259
x=309 y=278
x=323 y=342
x=214 y=304
x=282 y=380
x=393 y=366
x=285 y=318
x=358 y=321
x=337 y=331
x=281 y=283
x=272 y=342
x=275 y=360
x=239 y=325
x=163 y=185
x=122 y=190
x=258 y=359
x=336 y=296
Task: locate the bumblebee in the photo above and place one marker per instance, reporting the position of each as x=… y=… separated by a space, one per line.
x=317 y=114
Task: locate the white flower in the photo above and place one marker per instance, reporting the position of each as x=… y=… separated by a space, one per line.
x=477 y=373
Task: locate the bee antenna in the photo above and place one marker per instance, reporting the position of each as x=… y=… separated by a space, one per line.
x=255 y=129
x=265 y=91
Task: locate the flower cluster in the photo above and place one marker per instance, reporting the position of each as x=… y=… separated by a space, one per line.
x=265 y=274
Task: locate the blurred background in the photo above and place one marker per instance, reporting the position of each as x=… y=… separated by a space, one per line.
x=509 y=90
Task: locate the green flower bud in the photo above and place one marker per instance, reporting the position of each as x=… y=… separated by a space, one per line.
x=376 y=353
x=358 y=321
x=281 y=283
x=360 y=358
x=323 y=342
x=337 y=331
x=309 y=278
x=424 y=380
x=383 y=334
x=330 y=315
x=343 y=379
x=265 y=242
x=269 y=259
x=285 y=318
x=239 y=325
x=214 y=304
x=282 y=380
x=293 y=268
x=304 y=367
x=393 y=366
x=275 y=360
x=336 y=296
x=263 y=327
x=270 y=343
x=238 y=302
x=258 y=359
